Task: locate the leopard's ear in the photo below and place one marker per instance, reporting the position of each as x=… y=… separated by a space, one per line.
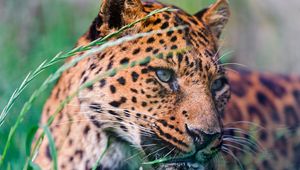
x=117 y=13
x=215 y=17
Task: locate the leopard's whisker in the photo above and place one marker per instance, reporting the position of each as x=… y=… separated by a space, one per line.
x=131 y=157
x=240 y=149
x=243 y=143
x=238 y=130
x=224 y=161
x=223 y=55
x=145 y=158
x=153 y=144
x=232 y=70
x=245 y=122
x=228 y=151
x=235 y=64
x=217 y=52
x=169 y=152
x=249 y=142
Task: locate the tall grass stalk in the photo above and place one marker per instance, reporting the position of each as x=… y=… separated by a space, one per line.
x=104 y=75
x=56 y=75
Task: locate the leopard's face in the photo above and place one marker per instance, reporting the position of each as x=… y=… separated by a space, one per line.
x=170 y=102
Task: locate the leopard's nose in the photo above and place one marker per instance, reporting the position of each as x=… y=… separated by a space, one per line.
x=203 y=139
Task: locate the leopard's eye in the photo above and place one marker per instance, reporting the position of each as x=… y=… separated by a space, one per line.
x=218 y=84
x=165 y=75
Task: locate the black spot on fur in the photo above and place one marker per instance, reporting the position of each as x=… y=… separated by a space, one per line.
x=95 y=122
x=86 y=129
x=150 y=40
x=255 y=112
x=110 y=64
x=275 y=88
x=48 y=152
x=238 y=88
x=173 y=39
x=118 y=103
x=113 y=113
x=292 y=119
x=102 y=83
x=167 y=17
x=148 y=49
x=84 y=79
x=79 y=153
x=172 y=118
x=161 y=41
x=266 y=102
x=157 y=21
x=57 y=93
x=126 y=113
x=123 y=48
x=112 y=89
x=144 y=71
x=163 y=122
x=93 y=66
x=136 y=51
x=174 y=47
x=133 y=99
x=155 y=51
x=164 y=25
x=169 y=33
x=96 y=107
x=296 y=94
x=144 y=104
x=134 y=90
x=124 y=128
x=124 y=61
x=121 y=80
x=134 y=76
x=138 y=115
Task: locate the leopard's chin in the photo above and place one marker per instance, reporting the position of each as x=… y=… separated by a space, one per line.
x=199 y=161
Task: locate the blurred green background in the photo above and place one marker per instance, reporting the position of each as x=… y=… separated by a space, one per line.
x=264 y=35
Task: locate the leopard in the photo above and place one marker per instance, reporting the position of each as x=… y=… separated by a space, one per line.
x=180 y=108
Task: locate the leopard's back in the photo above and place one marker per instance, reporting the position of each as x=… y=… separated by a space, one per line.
x=265 y=106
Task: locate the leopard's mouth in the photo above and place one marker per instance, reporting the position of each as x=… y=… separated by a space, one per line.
x=157 y=150
x=197 y=161
x=182 y=166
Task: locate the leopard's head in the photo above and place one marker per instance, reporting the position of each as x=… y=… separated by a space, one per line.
x=169 y=100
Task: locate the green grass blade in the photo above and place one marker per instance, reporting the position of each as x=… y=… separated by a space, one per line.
x=51 y=146
x=102 y=155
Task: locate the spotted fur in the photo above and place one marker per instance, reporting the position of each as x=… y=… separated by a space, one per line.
x=144 y=118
